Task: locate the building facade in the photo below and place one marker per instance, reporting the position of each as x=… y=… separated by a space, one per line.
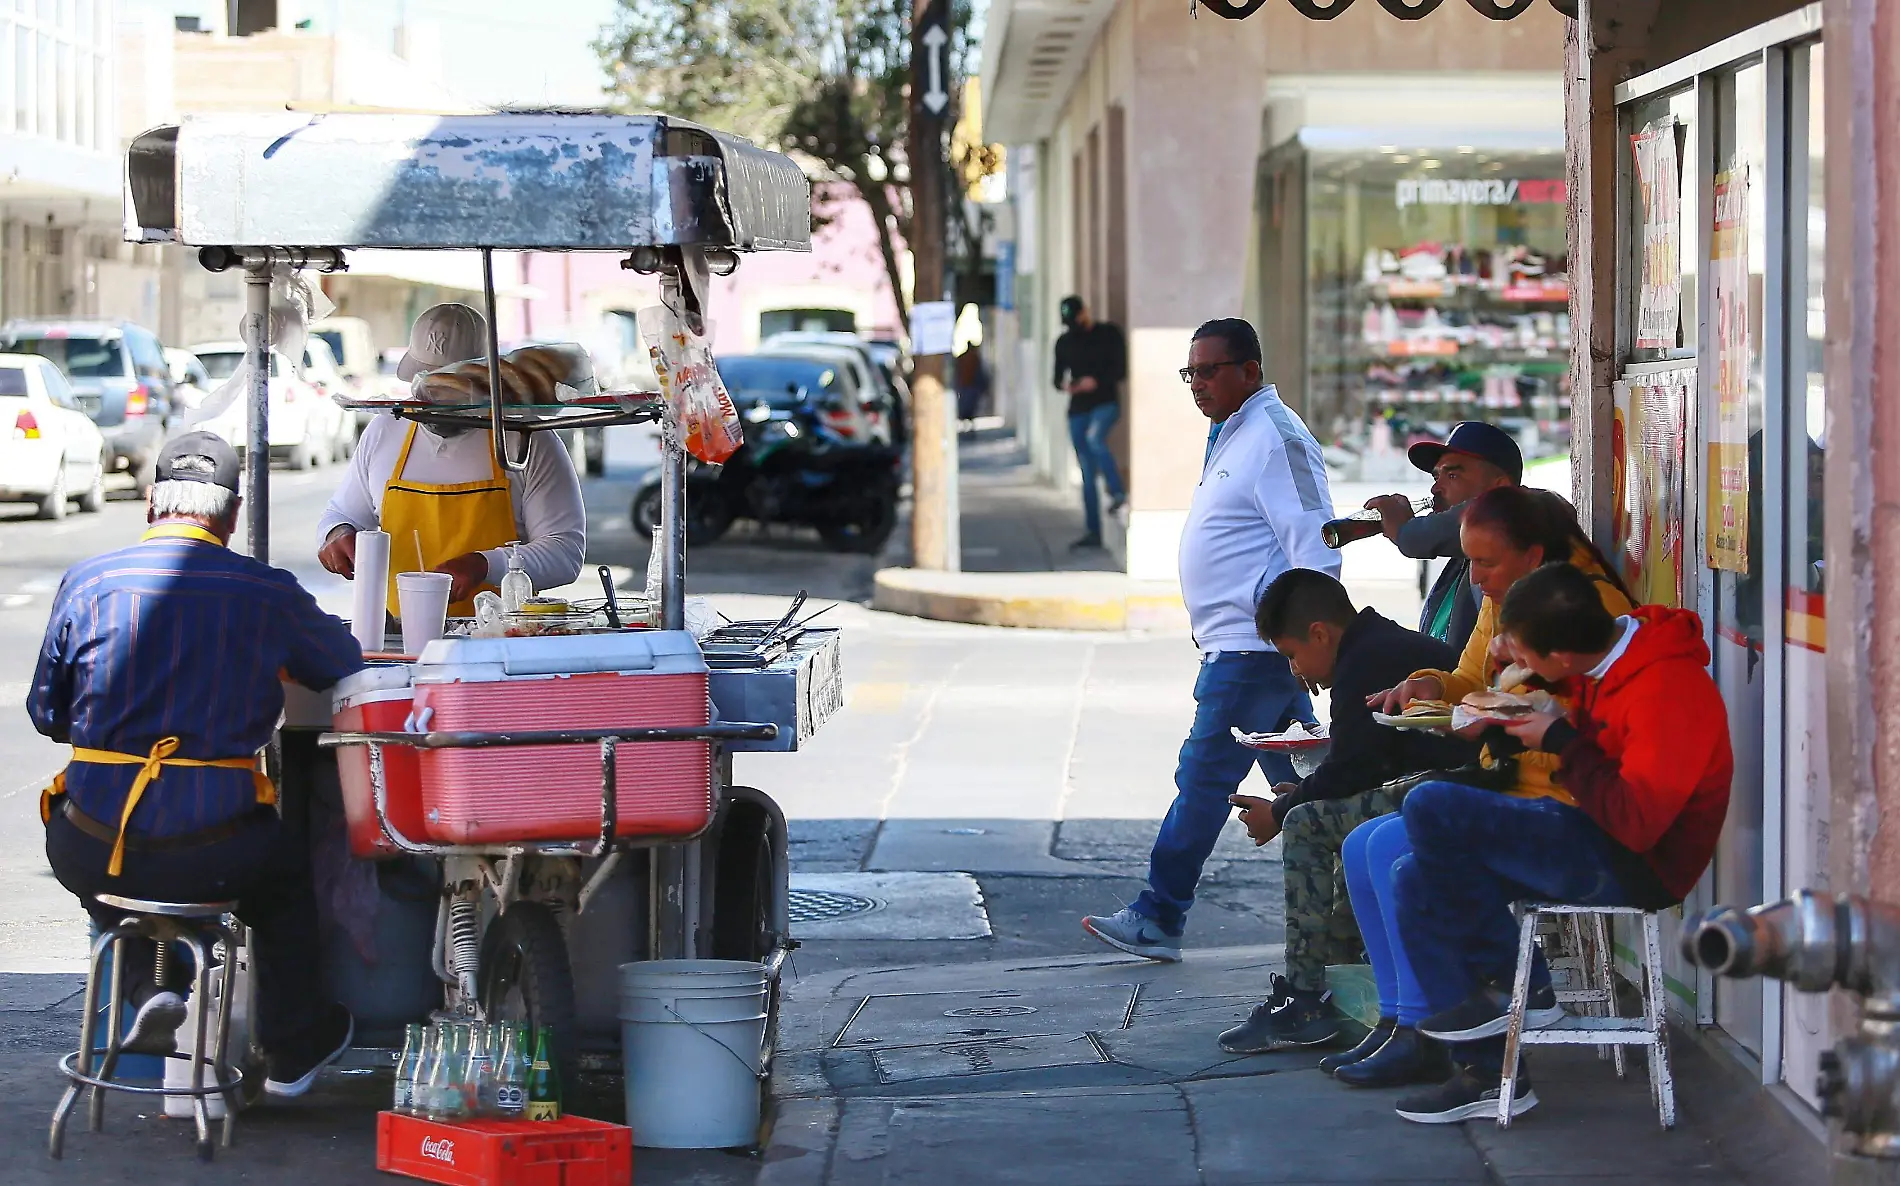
x=1384 y=200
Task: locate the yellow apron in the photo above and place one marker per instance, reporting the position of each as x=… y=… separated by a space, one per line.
x=153 y=764
x=452 y=519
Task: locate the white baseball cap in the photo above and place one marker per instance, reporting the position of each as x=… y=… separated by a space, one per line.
x=444 y=335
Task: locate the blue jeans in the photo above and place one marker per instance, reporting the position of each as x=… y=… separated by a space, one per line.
x=1254 y=691
x=1368 y=855
x=1474 y=852
x=1089 y=433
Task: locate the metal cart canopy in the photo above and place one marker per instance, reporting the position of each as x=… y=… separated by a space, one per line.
x=542 y=181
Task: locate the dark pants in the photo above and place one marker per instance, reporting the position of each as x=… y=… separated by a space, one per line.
x=266 y=875
x=1474 y=852
x=1256 y=693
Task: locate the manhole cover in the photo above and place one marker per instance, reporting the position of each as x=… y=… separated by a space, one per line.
x=810 y=905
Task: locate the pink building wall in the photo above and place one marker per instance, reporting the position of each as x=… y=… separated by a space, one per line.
x=843 y=270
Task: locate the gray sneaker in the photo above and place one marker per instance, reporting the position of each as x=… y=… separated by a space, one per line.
x=1131 y=931
x=155 y=1026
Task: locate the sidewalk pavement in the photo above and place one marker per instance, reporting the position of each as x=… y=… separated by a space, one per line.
x=1098 y=1070
x=1018 y=569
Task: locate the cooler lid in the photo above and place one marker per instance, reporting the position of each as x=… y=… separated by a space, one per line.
x=478 y=660
x=379 y=681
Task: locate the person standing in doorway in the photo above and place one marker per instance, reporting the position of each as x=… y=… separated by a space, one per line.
x=1257 y=513
x=1091 y=363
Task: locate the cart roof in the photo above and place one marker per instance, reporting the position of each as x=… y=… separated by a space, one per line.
x=544 y=181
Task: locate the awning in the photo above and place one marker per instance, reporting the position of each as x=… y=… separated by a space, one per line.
x=1405 y=10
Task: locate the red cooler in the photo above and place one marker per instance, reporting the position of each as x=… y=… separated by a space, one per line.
x=377 y=700
x=644 y=679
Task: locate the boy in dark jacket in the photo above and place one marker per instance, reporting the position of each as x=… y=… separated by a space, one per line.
x=1309 y=618
x=1646 y=756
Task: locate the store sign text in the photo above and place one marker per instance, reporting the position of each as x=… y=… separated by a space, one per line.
x=1496 y=191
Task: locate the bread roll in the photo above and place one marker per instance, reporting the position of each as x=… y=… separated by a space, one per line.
x=537 y=379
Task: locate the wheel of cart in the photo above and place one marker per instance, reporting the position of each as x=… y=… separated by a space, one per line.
x=534 y=930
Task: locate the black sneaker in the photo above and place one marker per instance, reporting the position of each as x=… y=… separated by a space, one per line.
x=1116 y=504
x=1240 y=1039
x=1466 y=1096
x=1406 y=1059
x=1367 y=1047
x=1088 y=543
x=1487 y=1013
x=293 y=1072
x=1305 y=1019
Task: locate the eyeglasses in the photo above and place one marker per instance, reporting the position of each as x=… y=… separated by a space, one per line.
x=1208 y=370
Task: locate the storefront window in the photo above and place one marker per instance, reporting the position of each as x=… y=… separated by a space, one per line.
x=1437 y=291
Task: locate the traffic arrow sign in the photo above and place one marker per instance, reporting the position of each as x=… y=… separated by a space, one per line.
x=936 y=98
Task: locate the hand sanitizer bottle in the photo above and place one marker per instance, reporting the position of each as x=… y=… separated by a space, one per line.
x=516 y=587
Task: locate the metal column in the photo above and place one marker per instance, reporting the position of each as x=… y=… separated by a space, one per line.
x=257 y=343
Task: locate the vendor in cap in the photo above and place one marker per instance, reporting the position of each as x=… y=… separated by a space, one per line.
x=161 y=668
x=1473 y=458
x=444 y=487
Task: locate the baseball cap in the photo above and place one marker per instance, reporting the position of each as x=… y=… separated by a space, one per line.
x=1473 y=438
x=443 y=335
x=199 y=457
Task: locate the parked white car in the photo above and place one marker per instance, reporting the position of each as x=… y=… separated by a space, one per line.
x=306 y=428
x=50 y=451
x=321 y=371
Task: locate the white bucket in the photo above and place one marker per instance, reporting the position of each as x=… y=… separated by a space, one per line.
x=691 y=1036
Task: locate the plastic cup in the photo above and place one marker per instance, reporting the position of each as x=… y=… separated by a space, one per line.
x=422 y=602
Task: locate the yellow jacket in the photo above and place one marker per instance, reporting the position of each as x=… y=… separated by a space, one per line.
x=1536 y=772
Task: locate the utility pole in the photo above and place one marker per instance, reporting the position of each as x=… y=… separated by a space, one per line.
x=934 y=537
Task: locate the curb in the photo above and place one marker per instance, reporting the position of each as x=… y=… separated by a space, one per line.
x=1080 y=601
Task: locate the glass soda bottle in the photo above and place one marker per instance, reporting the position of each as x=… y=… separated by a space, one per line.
x=447 y=1100
x=1363 y=524
x=408 y=1069
x=427 y=1100
x=511 y=1073
x=478 y=1075
x=544 y=1085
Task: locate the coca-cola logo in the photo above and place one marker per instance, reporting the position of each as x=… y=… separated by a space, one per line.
x=439 y=1149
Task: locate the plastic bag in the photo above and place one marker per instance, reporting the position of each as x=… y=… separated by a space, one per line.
x=295 y=302
x=696 y=397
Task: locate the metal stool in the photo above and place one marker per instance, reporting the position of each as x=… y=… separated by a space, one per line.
x=1605 y=1030
x=192 y=924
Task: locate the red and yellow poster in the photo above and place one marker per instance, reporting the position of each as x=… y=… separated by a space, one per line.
x=1734 y=356
x=1649 y=448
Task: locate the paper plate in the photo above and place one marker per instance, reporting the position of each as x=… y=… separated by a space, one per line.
x=1437 y=723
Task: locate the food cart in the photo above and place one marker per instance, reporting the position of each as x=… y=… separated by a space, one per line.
x=523 y=929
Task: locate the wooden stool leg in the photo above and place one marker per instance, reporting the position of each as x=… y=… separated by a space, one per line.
x=1655 y=1009
x=1520 y=992
x=115 y=1029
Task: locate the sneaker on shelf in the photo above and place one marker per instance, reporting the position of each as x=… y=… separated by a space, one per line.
x=155 y=1026
x=1487 y=1013
x=294 y=1071
x=1131 y=931
x=1467 y=1095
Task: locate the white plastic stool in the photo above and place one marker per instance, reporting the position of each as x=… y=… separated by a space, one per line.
x=1606 y=1030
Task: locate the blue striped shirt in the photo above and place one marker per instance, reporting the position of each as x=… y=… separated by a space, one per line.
x=177 y=638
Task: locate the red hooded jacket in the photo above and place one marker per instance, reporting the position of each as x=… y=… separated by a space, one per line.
x=1650 y=759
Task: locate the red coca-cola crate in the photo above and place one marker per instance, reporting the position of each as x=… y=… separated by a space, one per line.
x=650 y=678
x=571 y=1151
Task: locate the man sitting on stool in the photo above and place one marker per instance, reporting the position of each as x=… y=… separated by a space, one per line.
x=160 y=667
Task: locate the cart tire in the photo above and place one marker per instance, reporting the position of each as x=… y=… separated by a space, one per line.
x=744 y=888
x=525 y=952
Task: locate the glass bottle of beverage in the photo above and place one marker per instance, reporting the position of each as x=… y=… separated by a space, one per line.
x=1363 y=524
x=431 y=1078
x=544 y=1085
x=447 y=1098
x=408 y=1069
x=479 y=1077
x=511 y=1073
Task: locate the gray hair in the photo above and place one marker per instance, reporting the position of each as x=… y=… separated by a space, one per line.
x=197 y=500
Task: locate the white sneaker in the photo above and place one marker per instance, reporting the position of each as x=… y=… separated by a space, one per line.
x=1131 y=931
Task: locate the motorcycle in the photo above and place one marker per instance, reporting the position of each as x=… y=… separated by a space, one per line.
x=793 y=468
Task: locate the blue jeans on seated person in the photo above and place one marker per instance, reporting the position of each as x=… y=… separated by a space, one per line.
x=1253 y=691
x=1474 y=852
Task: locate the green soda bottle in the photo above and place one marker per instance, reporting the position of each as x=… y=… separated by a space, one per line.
x=544 y=1085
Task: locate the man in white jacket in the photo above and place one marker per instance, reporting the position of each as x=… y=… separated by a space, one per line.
x=1257 y=512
